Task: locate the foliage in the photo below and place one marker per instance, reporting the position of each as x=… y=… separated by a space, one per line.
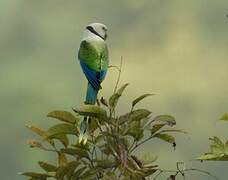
x=110 y=150
x=224 y=117
x=218 y=149
x=182 y=171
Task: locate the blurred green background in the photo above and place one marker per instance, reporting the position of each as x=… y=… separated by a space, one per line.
x=176 y=49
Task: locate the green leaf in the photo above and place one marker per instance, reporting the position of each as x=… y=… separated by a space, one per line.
x=165 y=137
x=222 y=157
x=62 y=138
x=217 y=142
x=125 y=141
x=99 y=139
x=104 y=164
x=135 y=115
x=226 y=148
x=90 y=174
x=71 y=168
x=82 y=146
x=156 y=127
x=63 y=116
x=135 y=130
x=169 y=120
x=148 y=171
x=174 y=130
x=79 y=172
x=47 y=167
x=62 y=159
x=213 y=157
x=37 y=130
x=110 y=147
x=76 y=151
x=40 y=176
x=106 y=149
x=66 y=170
x=132 y=164
x=218 y=151
x=149 y=158
x=104 y=102
x=34 y=144
x=40 y=132
x=217 y=146
x=62 y=129
x=93 y=125
x=110 y=176
x=224 y=117
x=92 y=111
x=46 y=135
x=113 y=100
x=140 y=98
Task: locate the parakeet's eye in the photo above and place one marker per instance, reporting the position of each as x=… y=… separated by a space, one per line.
x=104 y=28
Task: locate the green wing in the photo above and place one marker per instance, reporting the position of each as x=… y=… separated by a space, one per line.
x=94 y=54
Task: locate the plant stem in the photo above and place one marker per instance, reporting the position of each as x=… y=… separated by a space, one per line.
x=182 y=172
x=139 y=144
x=132 y=145
x=202 y=171
x=118 y=78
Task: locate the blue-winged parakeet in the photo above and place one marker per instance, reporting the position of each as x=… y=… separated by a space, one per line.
x=94 y=61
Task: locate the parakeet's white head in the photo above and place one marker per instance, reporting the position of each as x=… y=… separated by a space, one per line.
x=96 y=31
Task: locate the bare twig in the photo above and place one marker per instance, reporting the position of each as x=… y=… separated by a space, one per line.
x=202 y=171
x=111 y=111
x=182 y=172
x=132 y=145
x=118 y=78
x=140 y=143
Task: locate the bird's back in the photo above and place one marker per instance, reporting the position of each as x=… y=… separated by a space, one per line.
x=94 y=53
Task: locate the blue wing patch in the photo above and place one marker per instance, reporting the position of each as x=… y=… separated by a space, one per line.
x=94 y=78
x=102 y=75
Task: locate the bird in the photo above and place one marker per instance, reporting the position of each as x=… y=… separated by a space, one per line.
x=93 y=57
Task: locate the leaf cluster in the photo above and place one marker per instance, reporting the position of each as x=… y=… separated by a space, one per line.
x=218 y=149
x=110 y=151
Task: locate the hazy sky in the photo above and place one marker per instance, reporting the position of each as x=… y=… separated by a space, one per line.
x=176 y=49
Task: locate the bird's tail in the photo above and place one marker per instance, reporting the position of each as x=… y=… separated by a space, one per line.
x=91 y=98
x=83 y=130
x=84 y=126
x=91 y=95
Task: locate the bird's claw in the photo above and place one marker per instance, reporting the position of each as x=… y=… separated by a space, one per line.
x=83 y=138
x=80 y=138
